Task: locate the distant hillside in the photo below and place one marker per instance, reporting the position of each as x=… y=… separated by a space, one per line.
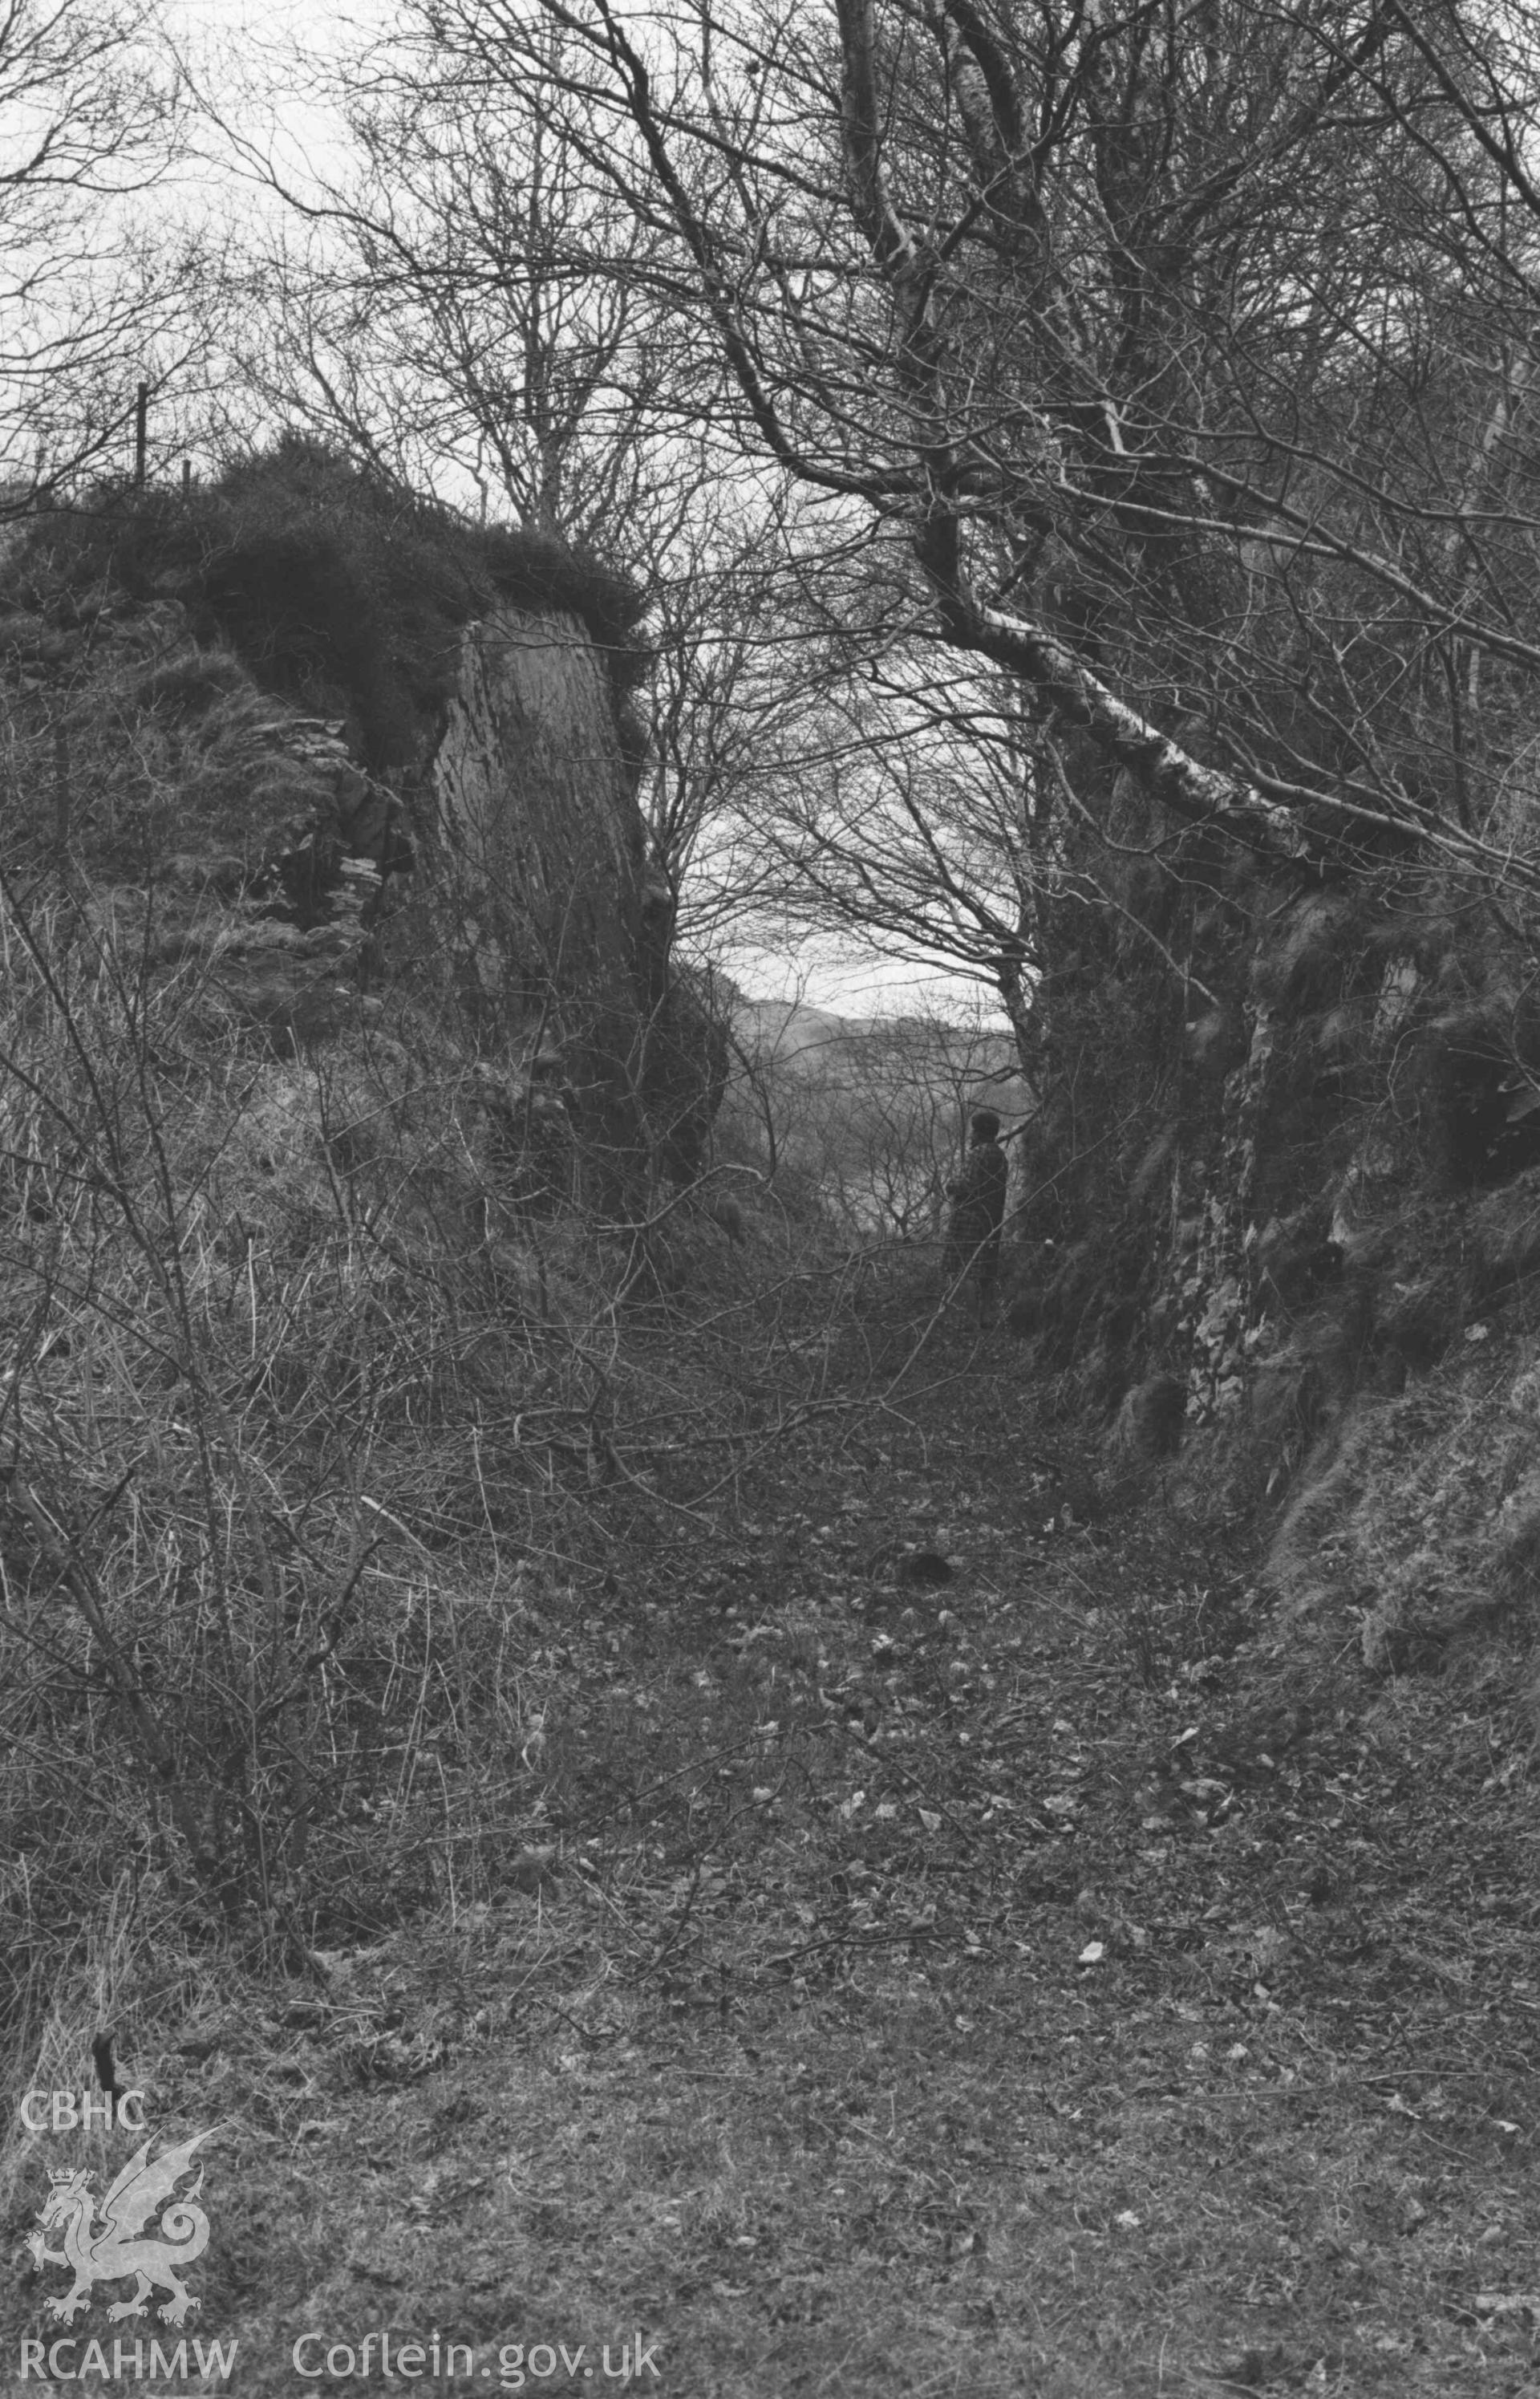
x=785 y=1028
x=869 y=1114
x=977 y=1068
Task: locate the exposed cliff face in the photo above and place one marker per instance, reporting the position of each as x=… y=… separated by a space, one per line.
x=1287 y=1163
x=535 y=817
x=538 y=859
x=376 y=760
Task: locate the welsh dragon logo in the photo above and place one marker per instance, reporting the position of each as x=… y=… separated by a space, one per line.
x=117 y=2248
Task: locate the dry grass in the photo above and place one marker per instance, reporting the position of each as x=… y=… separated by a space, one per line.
x=294 y=1404
x=1418 y=1527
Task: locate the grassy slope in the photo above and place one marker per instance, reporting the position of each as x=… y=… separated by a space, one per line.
x=1057 y=1981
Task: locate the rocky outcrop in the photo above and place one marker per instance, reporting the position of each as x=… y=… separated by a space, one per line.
x=537 y=864
x=535 y=819
x=342 y=758
x=1284 y=1160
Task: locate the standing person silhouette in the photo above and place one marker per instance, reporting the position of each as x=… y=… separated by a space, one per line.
x=977 y=1196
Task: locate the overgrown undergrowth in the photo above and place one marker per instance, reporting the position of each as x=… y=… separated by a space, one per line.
x=301 y=1413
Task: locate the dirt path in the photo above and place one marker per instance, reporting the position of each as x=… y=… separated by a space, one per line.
x=1037 y=1980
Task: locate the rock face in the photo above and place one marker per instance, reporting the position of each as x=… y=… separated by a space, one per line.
x=1287 y=1166
x=341 y=757
x=538 y=859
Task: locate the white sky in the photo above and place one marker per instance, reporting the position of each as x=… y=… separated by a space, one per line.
x=853 y=983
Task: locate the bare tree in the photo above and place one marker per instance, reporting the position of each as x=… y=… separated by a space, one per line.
x=469 y=304
x=507 y=289
x=93 y=300
x=1178 y=349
